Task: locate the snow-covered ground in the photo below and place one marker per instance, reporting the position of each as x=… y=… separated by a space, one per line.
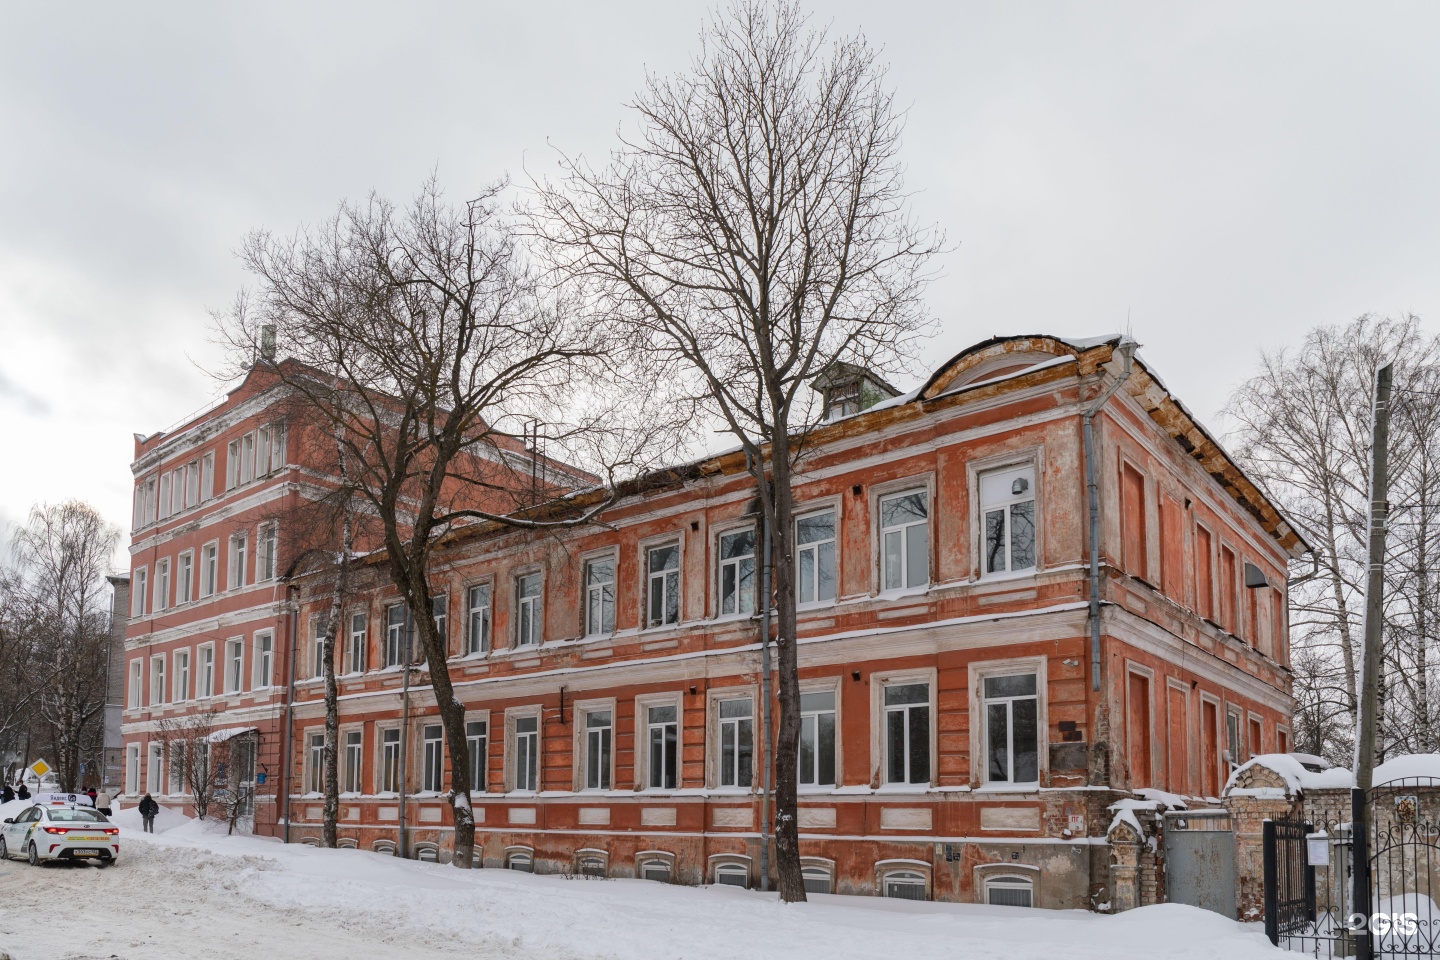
x=186 y=892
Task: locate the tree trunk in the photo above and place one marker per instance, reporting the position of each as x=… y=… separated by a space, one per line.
x=329 y=833
x=780 y=510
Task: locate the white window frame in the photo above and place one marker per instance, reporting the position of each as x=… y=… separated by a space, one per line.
x=162 y=584
x=880 y=767
x=205 y=671
x=140 y=586
x=263 y=660
x=234 y=665
x=155 y=768
x=529 y=610
x=175 y=763
x=207 y=477
x=180 y=679
x=516 y=750
x=600 y=597
x=479 y=758
x=813 y=548
x=352 y=746
x=1008 y=876
x=314 y=761
x=232 y=464
x=432 y=756
x=979 y=740
x=832 y=688
x=185 y=577
x=730 y=865
x=735 y=567
x=317 y=647
x=238 y=559
x=209 y=569
x=135 y=696
x=157 y=680
x=716 y=735
x=192 y=484
x=387 y=751
x=644 y=762
x=356 y=641
x=479 y=617
x=662 y=577
x=267 y=546
x=590 y=740
x=925 y=486
x=1031 y=459
x=132 y=768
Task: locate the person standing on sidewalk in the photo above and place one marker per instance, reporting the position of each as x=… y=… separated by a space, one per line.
x=148 y=809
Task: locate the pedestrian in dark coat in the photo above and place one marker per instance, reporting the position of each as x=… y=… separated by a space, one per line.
x=148 y=809
x=91 y=794
x=23 y=792
x=7 y=793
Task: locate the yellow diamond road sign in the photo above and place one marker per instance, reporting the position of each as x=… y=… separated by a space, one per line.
x=39 y=768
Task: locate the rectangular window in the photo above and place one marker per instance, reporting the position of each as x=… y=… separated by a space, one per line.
x=397 y=623
x=737 y=742
x=157 y=680
x=277 y=446
x=192 y=483
x=599 y=732
x=132 y=769
x=1179 y=742
x=262 y=451
x=527 y=750
x=207 y=476
x=663 y=735
x=265 y=557
x=1138 y=732
x=815 y=549
x=817 y=738
x=1133 y=546
x=164 y=495
x=1232 y=736
x=177 y=767
x=1227 y=591
x=1256 y=736
x=247 y=458
x=662 y=591
x=600 y=597
x=1007 y=506
x=185 y=577
x=1012 y=733
x=432 y=759
x=905 y=541
x=155 y=769
x=138 y=591
x=475 y=747
x=264 y=657
x=737 y=572
x=232 y=464
x=1172 y=548
x=162 y=584
x=527 y=593
x=440 y=610
x=389 y=761
x=355 y=649
x=135 y=693
x=319 y=646
x=315 y=782
x=238 y=546
x=477 y=638
x=205 y=672
x=209 y=569
x=234 y=659
x=354 y=752
x=177 y=492
x=907 y=733
x=181 y=692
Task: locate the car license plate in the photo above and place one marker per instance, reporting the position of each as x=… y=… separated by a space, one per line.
x=86 y=853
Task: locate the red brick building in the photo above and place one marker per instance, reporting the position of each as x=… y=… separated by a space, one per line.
x=964 y=727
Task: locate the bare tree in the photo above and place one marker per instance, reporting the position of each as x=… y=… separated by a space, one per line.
x=1304 y=434
x=749 y=237
x=191 y=749
x=58 y=588
x=422 y=342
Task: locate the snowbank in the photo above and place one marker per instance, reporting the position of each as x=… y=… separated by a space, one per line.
x=165 y=821
x=1414 y=766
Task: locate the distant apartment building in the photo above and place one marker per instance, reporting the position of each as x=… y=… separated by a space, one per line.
x=969 y=714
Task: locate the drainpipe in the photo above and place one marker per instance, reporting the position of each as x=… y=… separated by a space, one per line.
x=289 y=714
x=1126 y=350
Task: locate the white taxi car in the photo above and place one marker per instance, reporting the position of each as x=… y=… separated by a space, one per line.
x=60 y=833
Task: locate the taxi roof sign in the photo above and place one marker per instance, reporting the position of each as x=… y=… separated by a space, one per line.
x=40 y=768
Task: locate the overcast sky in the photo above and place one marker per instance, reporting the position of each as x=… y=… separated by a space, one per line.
x=1225 y=176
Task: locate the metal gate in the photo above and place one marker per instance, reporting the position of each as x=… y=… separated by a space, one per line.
x=1362 y=886
x=1200 y=860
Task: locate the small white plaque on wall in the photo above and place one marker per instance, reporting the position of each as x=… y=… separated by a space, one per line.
x=1009 y=818
x=429 y=814
x=388 y=813
x=522 y=814
x=657 y=816
x=731 y=817
x=595 y=815
x=905 y=818
x=817 y=817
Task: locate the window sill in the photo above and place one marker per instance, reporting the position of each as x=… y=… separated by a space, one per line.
x=903 y=788
x=903 y=593
x=1013 y=788
x=1029 y=573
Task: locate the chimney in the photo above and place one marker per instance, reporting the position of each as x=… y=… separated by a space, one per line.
x=267 y=343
